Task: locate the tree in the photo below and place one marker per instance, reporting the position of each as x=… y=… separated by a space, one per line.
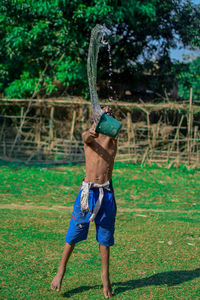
x=44 y=44
x=189 y=77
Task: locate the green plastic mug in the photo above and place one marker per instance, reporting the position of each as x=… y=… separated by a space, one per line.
x=108 y=126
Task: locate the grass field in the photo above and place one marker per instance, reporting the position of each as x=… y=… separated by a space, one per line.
x=157 y=238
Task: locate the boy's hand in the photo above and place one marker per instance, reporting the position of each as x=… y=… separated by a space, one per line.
x=90 y=135
x=93 y=133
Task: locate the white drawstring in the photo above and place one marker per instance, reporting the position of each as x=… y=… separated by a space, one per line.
x=97 y=205
x=85 y=195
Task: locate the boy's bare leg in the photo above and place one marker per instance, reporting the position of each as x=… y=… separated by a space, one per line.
x=57 y=281
x=105 y=255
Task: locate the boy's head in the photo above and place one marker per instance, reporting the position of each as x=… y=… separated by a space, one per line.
x=108 y=110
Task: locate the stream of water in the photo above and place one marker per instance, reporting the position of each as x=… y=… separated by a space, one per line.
x=97 y=39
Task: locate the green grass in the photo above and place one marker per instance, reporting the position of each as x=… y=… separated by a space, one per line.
x=147 y=187
x=155 y=255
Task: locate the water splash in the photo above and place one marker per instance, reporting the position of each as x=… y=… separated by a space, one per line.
x=104 y=42
x=110 y=73
x=97 y=38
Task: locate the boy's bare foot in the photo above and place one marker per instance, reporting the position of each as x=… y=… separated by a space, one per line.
x=107 y=289
x=57 y=281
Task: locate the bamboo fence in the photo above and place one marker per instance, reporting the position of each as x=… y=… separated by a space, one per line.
x=49 y=131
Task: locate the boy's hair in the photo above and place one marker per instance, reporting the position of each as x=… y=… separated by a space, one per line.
x=108 y=110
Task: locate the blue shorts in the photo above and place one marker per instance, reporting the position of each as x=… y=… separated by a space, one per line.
x=104 y=221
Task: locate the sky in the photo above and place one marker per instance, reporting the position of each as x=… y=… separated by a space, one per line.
x=179 y=54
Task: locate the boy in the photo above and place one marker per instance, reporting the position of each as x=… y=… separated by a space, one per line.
x=96 y=202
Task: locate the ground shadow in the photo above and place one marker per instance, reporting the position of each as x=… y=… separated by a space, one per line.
x=80 y=290
x=170 y=278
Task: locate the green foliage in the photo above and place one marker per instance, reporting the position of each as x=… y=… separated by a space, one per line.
x=23 y=87
x=69 y=71
x=52 y=38
x=189 y=77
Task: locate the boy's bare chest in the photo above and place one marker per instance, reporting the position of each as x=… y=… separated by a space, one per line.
x=102 y=144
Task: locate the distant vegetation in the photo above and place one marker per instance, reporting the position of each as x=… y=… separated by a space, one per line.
x=189 y=76
x=44 y=44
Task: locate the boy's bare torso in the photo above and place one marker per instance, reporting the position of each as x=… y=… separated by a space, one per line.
x=100 y=152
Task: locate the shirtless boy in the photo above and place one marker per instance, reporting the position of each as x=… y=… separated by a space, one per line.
x=95 y=201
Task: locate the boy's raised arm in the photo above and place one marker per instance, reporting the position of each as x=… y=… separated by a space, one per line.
x=89 y=136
